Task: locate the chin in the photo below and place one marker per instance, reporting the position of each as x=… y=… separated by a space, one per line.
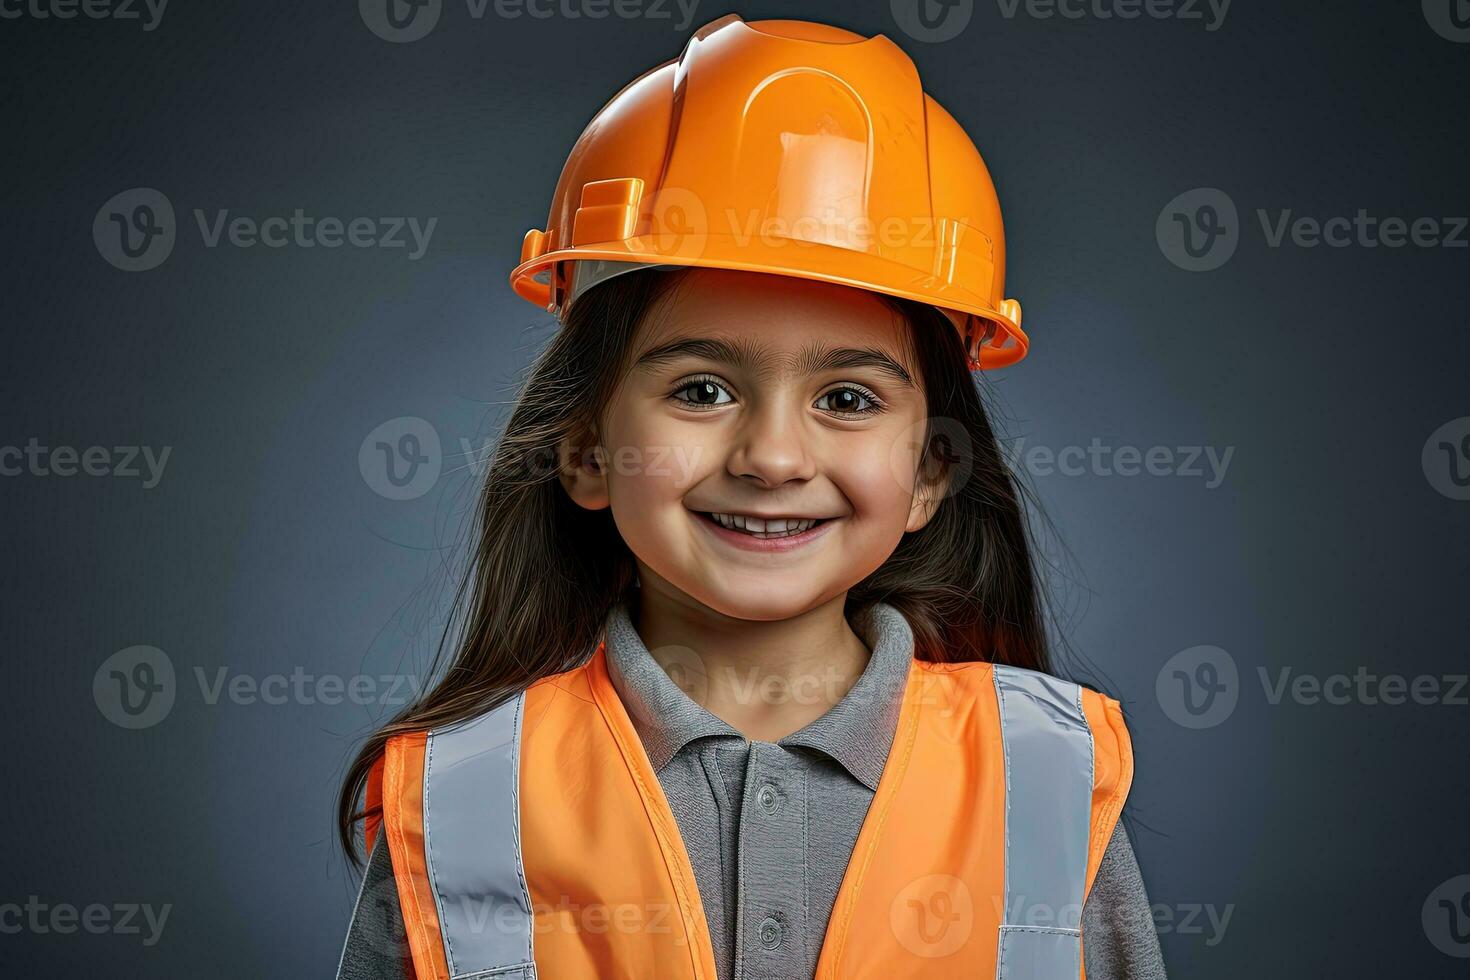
x=770 y=600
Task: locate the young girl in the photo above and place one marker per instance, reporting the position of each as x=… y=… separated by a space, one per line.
x=753 y=680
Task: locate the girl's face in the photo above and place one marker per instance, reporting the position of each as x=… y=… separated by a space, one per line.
x=761 y=397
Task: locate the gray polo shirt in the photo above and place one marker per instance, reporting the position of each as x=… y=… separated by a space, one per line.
x=770 y=826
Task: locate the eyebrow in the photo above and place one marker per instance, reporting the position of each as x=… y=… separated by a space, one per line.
x=756 y=357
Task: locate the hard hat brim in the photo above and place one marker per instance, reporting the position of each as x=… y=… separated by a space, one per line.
x=791 y=257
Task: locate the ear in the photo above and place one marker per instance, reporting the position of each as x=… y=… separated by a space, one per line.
x=931 y=486
x=582 y=470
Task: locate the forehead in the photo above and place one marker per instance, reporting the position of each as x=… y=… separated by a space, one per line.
x=779 y=316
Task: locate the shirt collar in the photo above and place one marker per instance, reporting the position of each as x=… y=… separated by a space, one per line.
x=857 y=731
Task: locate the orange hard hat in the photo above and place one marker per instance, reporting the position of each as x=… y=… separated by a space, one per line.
x=785 y=147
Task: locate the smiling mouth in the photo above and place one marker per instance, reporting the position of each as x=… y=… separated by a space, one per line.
x=781 y=527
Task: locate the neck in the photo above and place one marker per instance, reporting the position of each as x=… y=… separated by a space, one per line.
x=766 y=679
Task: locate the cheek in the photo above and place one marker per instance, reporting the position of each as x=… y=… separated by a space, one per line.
x=654 y=459
x=876 y=475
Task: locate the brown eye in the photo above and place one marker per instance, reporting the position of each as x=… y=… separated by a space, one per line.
x=704 y=392
x=851 y=401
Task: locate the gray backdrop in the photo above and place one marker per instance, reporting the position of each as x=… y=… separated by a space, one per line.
x=194 y=642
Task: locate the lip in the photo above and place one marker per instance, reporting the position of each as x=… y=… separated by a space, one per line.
x=767 y=545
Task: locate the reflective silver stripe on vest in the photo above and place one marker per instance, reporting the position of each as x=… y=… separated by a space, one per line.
x=472 y=840
x=1049 y=773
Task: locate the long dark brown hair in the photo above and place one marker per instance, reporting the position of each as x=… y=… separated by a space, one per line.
x=545 y=572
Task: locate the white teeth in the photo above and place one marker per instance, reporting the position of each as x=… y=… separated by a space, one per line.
x=778 y=527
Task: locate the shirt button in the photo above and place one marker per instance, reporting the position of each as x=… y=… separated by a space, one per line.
x=770 y=933
x=768 y=799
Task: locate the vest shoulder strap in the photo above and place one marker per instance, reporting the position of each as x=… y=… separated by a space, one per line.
x=451 y=809
x=1063 y=794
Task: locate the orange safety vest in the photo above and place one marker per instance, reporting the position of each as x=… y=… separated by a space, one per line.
x=535 y=840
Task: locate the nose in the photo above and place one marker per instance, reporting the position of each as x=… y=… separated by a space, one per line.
x=770 y=447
